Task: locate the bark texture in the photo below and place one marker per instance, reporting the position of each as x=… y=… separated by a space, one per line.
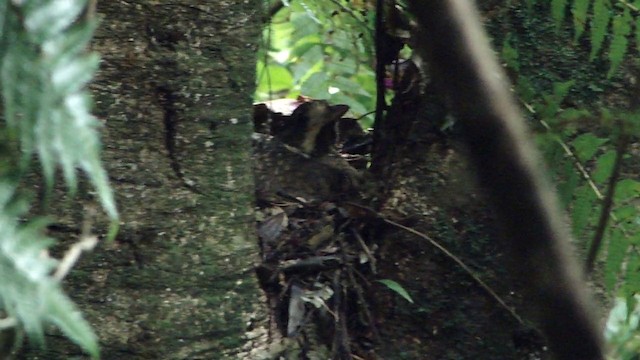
x=174 y=93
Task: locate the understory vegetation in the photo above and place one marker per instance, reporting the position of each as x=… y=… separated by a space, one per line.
x=575 y=71
x=573 y=65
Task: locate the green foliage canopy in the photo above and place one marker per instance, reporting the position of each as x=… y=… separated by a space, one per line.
x=320 y=49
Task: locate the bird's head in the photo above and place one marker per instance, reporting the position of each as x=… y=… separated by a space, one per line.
x=307 y=122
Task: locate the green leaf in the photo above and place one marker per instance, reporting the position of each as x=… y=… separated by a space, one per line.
x=626 y=213
x=616 y=252
x=627 y=190
x=47 y=19
x=316 y=86
x=44 y=69
x=586 y=145
x=579 y=11
x=43 y=74
x=302 y=46
x=631 y=284
x=349 y=86
x=604 y=166
x=27 y=290
x=355 y=107
x=561 y=89
x=637 y=34
x=552 y=102
x=568 y=183
x=599 y=25
x=72 y=76
x=572 y=114
x=62 y=312
x=280 y=35
x=558 y=8
x=273 y=78
x=583 y=209
x=619 y=42
x=525 y=89
x=394 y=286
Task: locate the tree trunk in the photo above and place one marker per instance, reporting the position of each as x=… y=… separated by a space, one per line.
x=174 y=93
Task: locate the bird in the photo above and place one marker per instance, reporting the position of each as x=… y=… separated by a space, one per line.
x=312 y=127
x=297 y=158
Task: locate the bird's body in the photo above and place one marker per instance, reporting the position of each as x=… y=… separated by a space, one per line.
x=299 y=159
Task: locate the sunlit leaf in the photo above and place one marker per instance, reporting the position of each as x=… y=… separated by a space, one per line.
x=273 y=78
x=302 y=46
x=316 y=86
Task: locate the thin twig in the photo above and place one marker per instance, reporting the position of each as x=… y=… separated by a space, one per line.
x=87 y=243
x=630 y=6
x=451 y=256
x=460 y=263
x=363 y=302
x=372 y=259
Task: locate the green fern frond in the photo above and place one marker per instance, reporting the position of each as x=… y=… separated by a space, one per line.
x=27 y=290
x=616 y=253
x=631 y=283
x=619 y=42
x=604 y=166
x=558 y=9
x=586 y=146
x=599 y=25
x=583 y=212
x=579 y=10
x=44 y=71
x=637 y=33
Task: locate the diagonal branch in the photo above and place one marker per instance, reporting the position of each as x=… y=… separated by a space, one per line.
x=509 y=169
